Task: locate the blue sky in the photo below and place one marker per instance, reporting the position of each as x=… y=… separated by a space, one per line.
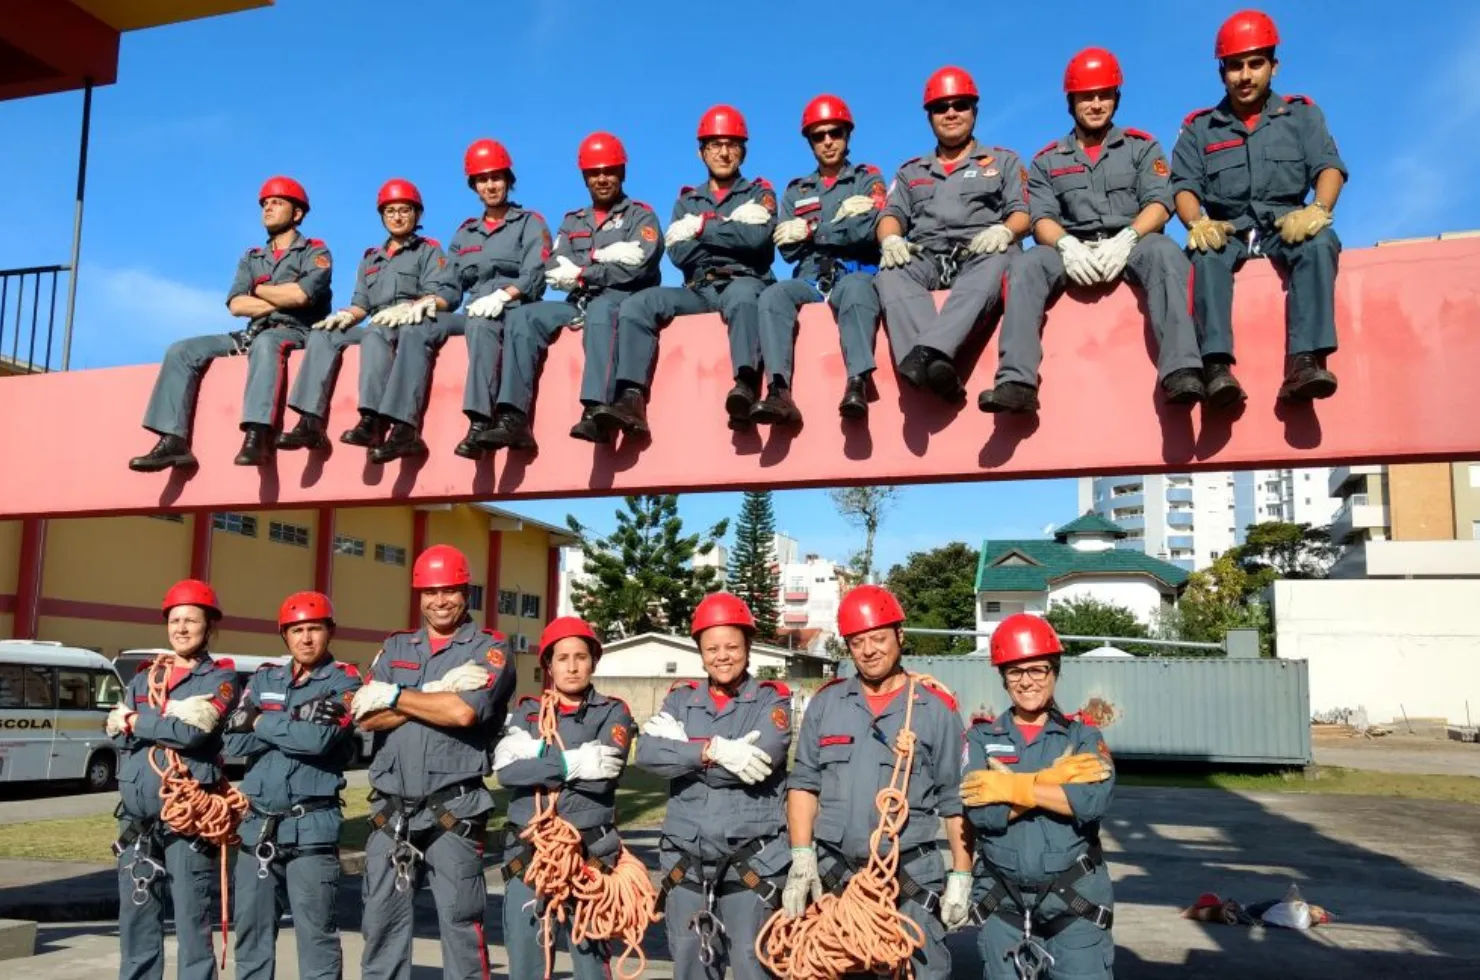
x=345 y=95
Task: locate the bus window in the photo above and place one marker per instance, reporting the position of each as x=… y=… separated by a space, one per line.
x=39 y=684
x=74 y=690
x=12 y=686
x=107 y=691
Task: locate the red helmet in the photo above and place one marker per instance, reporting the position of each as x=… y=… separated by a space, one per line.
x=440 y=567
x=722 y=120
x=397 y=190
x=486 y=157
x=722 y=609
x=948 y=83
x=1091 y=70
x=826 y=108
x=601 y=150
x=284 y=187
x=192 y=592
x=868 y=607
x=564 y=627
x=1245 y=31
x=305 y=607
x=1023 y=636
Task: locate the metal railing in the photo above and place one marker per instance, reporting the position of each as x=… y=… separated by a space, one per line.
x=1131 y=641
x=29 y=326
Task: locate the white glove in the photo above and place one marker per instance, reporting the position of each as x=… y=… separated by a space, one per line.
x=490 y=307
x=374 y=696
x=341 y=320
x=593 y=761
x=391 y=316
x=619 y=253
x=750 y=213
x=117 y=723
x=421 y=309
x=791 y=231
x=741 y=757
x=955 y=904
x=852 y=207
x=1079 y=260
x=564 y=276
x=895 y=251
x=1111 y=256
x=683 y=229
x=197 y=712
x=664 y=725
x=468 y=677
x=515 y=746
x=803 y=883
x=993 y=239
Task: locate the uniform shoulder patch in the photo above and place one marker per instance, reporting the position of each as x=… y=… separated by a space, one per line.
x=317 y=243
x=350 y=670
x=940 y=690
x=469 y=223
x=796 y=181
x=678 y=684
x=778 y=687
x=262 y=668
x=1299 y=100
x=1187 y=120
x=616 y=700
x=835 y=680
x=1047 y=149
x=983 y=718
x=370 y=251
x=763 y=182
x=432 y=242
x=224 y=663
x=869 y=168
x=575 y=213
x=255 y=250
x=528 y=697
x=537 y=215
x=1139 y=134
x=685 y=189
x=644 y=205
x=497 y=636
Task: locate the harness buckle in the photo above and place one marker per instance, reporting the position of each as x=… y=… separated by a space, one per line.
x=706 y=925
x=1102 y=917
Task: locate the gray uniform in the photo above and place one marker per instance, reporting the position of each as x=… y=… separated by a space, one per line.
x=712 y=815
x=383 y=279
x=486 y=257
x=1093 y=200
x=845 y=754
x=836 y=262
x=416 y=767
x=724 y=267
x=266 y=340
x=941 y=210
x=190 y=866
x=594 y=302
x=1040 y=847
x=589 y=806
x=291 y=764
x=1251 y=179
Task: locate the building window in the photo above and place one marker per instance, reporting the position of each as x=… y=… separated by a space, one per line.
x=671 y=667
x=346 y=545
x=994 y=607
x=243 y=524
x=287 y=533
x=1475 y=476
x=1475 y=530
x=508 y=602
x=389 y=554
x=475 y=597
x=529 y=606
x=176 y=518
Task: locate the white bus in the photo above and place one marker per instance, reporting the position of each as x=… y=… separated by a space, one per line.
x=130 y=662
x=53 y=703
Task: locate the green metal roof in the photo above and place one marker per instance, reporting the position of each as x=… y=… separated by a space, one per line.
x=1090 y=523
x=1032 y=566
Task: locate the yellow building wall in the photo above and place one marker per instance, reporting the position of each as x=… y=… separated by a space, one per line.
x=123 y=561
x=1420 y=502
x=367 y=593
x=10 y=556
x=253 y=575
x=523 y=559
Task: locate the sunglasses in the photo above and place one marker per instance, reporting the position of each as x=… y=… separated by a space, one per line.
x=944 y=106
x=817 y=136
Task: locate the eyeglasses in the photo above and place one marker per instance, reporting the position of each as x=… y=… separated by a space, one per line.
x=724 y=143
x=399 y=212
x=823 y=135
x=1016 y=675
x=943 y=106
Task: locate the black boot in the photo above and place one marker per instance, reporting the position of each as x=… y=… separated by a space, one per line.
x=777 y=408
x=739 y=400
x=1223 y=392
x=366 y=433
x=511 y=431
x=404 y=442
x=307 y=434
x=912 y=368
x=1009 y=396
x=168 y=452
x=855 y=398
x=471 y=446
x=628 y=412
x=590 y=427
x=1183 y=387
x=257 y=446
x=1307 y=379
x=941 y=377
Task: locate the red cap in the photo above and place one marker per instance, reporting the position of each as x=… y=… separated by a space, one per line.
x=1091 y=70
x=1023 y=636
x=1245 y=31
x=486 y=157
x=305 y=607
x=722 y=609
x=722 y=120
x=284 y=187
x=826 y=108
x=440 y=567
x=397 y=190
x=563 y=628
x=948 y=83
x=192 y=592
x=868 y=607
x=601 y=150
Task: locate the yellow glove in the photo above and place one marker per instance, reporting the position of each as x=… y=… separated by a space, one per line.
x=1084 y=768
x=1296 y=226
x=1205 y=234
x=985 y=786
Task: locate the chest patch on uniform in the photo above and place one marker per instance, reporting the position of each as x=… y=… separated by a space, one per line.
x=619 y=736
x=922 y=181
x=808 y=204
x=1000 y=747
x=405 y=665
x=349 y=698
x=778 y=718
x=441 y=261
x=827 y=740
x=495 y=658
x=1223 y=145
x=224 y=690
x=1160 y=167
x=1078 y=168
x=271 y=696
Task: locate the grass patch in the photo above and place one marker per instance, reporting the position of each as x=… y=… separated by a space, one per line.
x=1333 y=780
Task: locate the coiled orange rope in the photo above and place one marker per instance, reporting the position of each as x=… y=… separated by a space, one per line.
x=187 y=807
x=861 y=930
x=598 y=904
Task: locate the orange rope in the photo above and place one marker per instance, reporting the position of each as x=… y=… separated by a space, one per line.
x=861 y=930
x=188 y=808
x=603 y=905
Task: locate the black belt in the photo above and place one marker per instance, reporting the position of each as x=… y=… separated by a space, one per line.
x=519 y=863
x=720 y=276
x=1101 y=916
x=399 y=810
x=909 y=888
x=738 y=859
x=266 y=848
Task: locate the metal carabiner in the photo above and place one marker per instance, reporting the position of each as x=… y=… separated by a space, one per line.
x=1030 y=958
x=404 y=858
x=706 y=926
x=265 y=852
x=142 y=882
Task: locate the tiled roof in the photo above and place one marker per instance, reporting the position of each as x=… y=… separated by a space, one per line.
x=1090 y=523
x=1035 y=565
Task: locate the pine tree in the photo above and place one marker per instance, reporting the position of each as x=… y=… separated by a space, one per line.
x=641 y=577
x=753 y=574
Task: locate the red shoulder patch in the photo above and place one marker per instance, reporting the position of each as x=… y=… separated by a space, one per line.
x=536 y=214
x=835 y=680
x=619 y=701
x=370 y=251
x=527 y=697
x=764 y=183
x=350 y=670
x=575 y=212
x=1139 y=134
x=469 y=223
x=497 y=636
x=982 y=718
x=643 y=204
x=778 y=687
x=225 y=663
x=1050 y=147
x=1300 y=100
x=317 y=243
x=679 y=684
x=619 y=736
x=685 y=189
x=1187 y=120
x=432 y=242
x=869 y=168
x=940 y=691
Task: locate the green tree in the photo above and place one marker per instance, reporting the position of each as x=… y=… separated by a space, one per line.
x=1277 y=549
x=1217 y=599
x=754 y=574
x=864 y=507
x=938 y=591
x=641 y=578
x=1088 y=616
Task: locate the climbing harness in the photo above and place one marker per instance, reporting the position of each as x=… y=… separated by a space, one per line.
x=266 y=849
